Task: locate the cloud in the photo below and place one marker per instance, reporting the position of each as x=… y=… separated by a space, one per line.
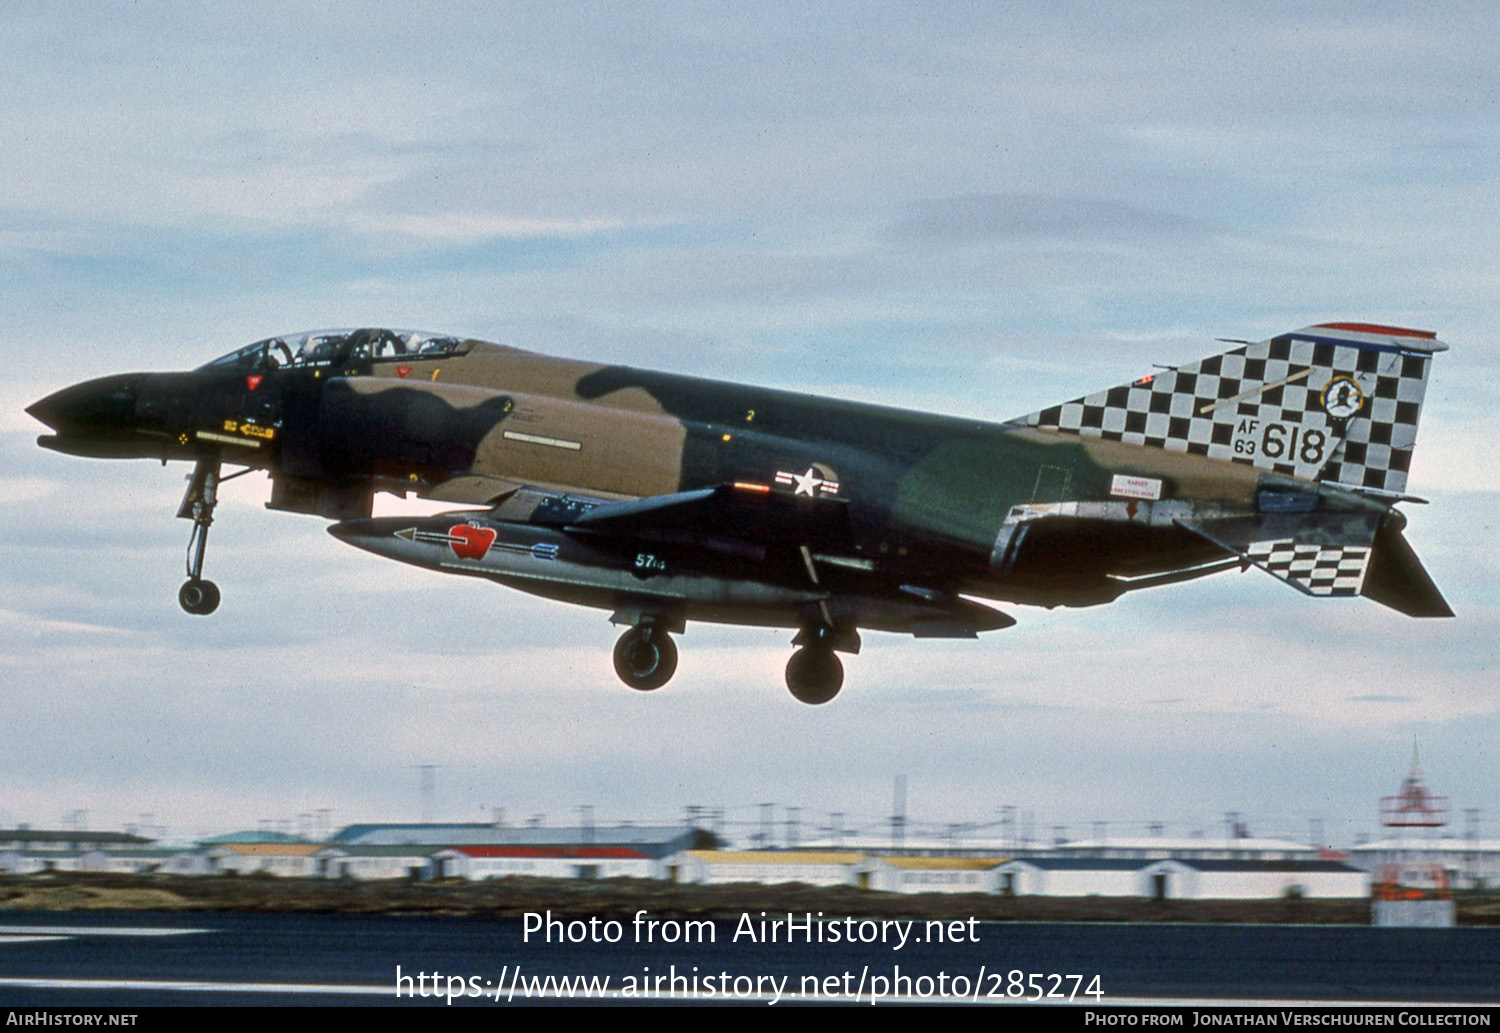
x=1002 y=217
x=456 y=227
x=24 y=489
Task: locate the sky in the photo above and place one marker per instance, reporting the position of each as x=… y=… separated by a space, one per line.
x=978 y=209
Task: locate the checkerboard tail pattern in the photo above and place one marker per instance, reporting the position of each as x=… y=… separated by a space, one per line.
x=1336 y=402
x=1326 y=570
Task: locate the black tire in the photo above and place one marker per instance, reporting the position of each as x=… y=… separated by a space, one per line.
x=645 y=658
x=198 y=597
x=814 y=674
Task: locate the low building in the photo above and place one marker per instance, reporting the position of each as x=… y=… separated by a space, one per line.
x=40 y=841
x=26 y=851
x=411 y=861
x=653 y=840
x=290 y=860
x=484 y=851
x=31 y=862
x=546 y=862
x=188 y=862
x=133 y=861
x=1414 y=860
x=767 y=867
x=252 y=836
x=928 y=874
x=1071 y=877
x=1158 y=848
x=1207 y=879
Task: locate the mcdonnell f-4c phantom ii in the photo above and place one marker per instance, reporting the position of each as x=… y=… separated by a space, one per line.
x=665 y=499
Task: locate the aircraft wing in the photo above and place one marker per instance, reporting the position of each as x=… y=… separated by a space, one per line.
x=472 y=489
x=735 y=512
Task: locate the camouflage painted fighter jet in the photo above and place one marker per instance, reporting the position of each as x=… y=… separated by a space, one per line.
x=664 y=498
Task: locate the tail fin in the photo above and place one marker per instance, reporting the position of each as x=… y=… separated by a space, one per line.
x=1335 y=402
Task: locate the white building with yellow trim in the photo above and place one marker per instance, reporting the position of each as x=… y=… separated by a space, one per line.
x=292 y=860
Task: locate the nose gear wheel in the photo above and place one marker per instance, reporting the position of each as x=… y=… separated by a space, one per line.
x=198 y=597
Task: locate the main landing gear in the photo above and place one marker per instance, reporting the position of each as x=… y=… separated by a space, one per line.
x=814 y=673
x=646 y=657
x=197 y=596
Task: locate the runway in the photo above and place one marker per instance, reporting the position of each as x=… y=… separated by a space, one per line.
x=144 y=960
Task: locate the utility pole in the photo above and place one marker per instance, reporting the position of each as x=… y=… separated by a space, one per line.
x=898 y=814
x=426 y=790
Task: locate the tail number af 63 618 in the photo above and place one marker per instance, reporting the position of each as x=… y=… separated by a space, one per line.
x=1280 y=440
x=1285 y=441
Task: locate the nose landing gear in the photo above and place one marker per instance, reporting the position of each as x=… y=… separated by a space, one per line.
x=197 y=596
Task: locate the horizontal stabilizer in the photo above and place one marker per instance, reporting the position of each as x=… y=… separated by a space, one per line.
x=1397 y=578
x=1317 y=554
x=1314 y=569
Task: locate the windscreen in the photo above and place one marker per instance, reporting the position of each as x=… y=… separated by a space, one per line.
x=328 y=347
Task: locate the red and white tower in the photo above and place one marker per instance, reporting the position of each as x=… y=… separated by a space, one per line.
x=1412 y=808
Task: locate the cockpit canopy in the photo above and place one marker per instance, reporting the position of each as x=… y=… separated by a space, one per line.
x=337 y=347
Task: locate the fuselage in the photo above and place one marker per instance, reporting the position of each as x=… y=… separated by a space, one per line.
x=929 y=498
x=666 y=499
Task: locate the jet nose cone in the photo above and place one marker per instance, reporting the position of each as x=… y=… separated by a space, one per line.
x=47 y=410
x=42 y=411
x=95 y=406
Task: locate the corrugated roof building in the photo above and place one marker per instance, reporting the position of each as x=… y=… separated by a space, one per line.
x=547 y=862
x=1154 y=848
x=768 y=867
x=651 y=840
